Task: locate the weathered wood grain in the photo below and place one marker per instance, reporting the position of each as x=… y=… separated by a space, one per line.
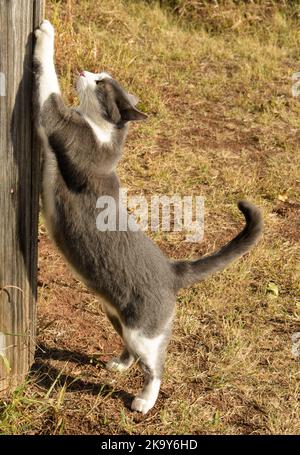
x=19 y=188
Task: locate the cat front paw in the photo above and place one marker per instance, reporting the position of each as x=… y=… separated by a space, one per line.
x=45 y=30
x=44 y=47
x=141 y=405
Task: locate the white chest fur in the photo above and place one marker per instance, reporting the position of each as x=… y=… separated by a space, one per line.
x=103 y=131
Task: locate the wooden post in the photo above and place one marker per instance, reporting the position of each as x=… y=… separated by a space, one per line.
x=19 y=188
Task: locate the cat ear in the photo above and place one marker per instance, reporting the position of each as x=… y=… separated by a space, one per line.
x=121 y=105
x=132 y=114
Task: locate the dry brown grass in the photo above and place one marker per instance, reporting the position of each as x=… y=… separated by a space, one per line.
x=222 y=124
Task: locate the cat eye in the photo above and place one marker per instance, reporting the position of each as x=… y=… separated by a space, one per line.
x=97 y=81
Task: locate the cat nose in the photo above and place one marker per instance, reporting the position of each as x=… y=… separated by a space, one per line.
x=82 y=74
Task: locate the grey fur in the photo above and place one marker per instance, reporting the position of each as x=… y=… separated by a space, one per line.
x=126 y=268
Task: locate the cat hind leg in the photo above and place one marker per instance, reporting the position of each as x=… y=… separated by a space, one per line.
x=121 y=363
x=151 y=355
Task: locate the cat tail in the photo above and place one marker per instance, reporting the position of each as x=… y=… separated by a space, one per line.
x=190 y=272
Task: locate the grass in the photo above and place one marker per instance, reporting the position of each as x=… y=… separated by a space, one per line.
x=216 y=83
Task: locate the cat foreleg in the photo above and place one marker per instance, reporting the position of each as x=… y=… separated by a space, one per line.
x=44 y=58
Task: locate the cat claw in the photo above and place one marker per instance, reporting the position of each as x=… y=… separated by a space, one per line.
x=141 y=405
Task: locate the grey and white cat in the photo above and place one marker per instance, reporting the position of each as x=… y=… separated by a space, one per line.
x=137 y=282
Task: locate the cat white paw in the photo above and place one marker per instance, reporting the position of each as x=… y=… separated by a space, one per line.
x=46 y=29
x=116 y=364
x=44 y=47
x=141 y=405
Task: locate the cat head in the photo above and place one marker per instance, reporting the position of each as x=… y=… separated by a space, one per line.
x=102 y=95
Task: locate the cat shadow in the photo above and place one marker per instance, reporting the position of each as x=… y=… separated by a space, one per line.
x=44 y=352
x=26 y=154
x=45 y=374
